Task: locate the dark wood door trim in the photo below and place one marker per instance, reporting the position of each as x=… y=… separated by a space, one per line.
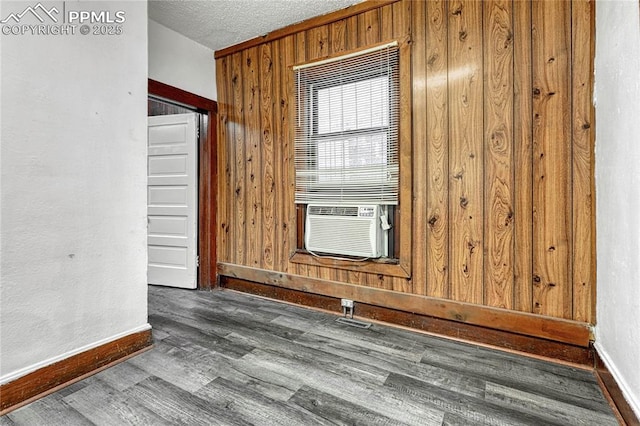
x=207 y=178
x=157 y=88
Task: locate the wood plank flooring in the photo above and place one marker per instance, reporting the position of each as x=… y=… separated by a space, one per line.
x=225 y=358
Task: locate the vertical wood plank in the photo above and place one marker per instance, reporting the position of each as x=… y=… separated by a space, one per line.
x=523 y=157
x=253 y=208
x=402 y=24
x=393 y=22
x=369 y=28
x=317 y=43
x=279 y=252
x=437 y=217
x=419 y=110
x=583 y=160
x=551 y=169
x=286 y=140
x=224 y=167
x=465 y=160
x=406 y=174
x=386 y=23
x=498 y=181
x=352 y=33
x=266 y=179
x=402 y=16
x=300 y=57
x=238 y=249
x=338 y=37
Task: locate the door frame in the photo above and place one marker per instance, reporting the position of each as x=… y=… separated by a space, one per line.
x=207 y=178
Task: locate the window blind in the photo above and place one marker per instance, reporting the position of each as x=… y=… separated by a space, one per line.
x=346 y=137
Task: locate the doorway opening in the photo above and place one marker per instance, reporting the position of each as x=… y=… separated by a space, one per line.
x=168 y=100
x=172 y=200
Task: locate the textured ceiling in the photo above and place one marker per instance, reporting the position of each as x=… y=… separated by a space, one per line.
x=222 y=23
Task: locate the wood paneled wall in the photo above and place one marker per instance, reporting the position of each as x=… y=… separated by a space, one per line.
x=502 y=151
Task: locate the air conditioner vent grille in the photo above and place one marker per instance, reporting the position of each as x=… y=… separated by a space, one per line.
x=352 y=230
x=351 y=211
x=342 y=236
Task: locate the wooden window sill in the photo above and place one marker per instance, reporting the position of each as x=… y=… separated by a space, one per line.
x=387 y=267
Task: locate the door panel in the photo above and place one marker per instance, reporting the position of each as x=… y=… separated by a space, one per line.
x=172 y=200
x=171 y=165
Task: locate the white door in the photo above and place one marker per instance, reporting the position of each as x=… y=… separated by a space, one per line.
x=172 y=200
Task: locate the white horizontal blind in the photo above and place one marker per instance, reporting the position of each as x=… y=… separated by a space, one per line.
x=346 y=141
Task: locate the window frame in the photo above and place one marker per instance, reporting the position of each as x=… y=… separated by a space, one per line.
x=400 y=264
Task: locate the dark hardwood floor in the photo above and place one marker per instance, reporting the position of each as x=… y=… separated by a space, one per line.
x=233 y=359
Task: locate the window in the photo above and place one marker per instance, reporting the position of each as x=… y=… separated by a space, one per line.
x=353 y=148
x=346 y=144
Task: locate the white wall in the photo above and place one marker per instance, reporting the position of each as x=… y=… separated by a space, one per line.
x=73 y=190
x=618 y=191
x=181 y=62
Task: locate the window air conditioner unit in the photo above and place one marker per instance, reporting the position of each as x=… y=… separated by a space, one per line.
x=350 y=230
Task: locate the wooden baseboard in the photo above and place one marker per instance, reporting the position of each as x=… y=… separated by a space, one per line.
x=52 y=377
x=610 y=388
x=533 y=346
x=513 y=322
